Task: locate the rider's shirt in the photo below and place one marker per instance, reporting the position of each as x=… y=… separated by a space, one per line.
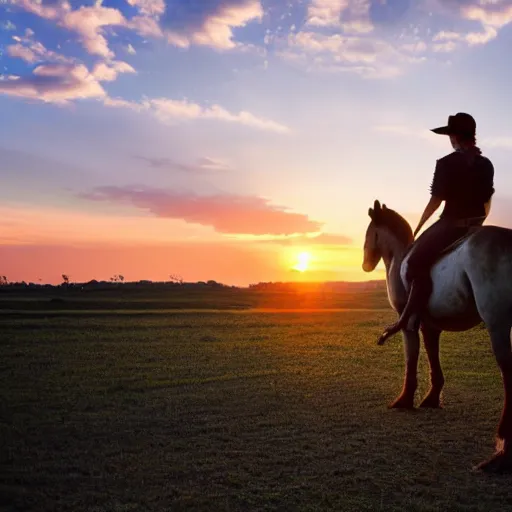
x=465 y=182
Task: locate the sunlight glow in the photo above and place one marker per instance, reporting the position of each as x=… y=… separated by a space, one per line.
x=303 y=262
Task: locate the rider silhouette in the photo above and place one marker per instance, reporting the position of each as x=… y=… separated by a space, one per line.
x=464 y=180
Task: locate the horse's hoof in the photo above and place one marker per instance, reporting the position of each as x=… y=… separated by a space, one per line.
x=402 y=402
x=388 y=332
x=499 y=463
x=382 y=339
x=431 y=402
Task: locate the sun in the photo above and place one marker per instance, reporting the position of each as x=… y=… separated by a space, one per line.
x=303 y=263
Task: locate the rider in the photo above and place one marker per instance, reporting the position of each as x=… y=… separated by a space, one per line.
x=463 y=179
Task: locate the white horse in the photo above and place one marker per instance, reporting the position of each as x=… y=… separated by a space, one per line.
x=472 y=282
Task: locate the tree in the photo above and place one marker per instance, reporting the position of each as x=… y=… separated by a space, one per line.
x=176 y=278
x=65 y=279
x=4 y=281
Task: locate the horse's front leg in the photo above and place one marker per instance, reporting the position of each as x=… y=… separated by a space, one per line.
x=431 y=341
x=501 y=462
x=412 y=352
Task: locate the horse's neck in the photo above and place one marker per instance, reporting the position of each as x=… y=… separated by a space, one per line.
x=393 y=253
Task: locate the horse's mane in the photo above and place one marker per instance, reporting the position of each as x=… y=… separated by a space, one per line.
x=392 y=220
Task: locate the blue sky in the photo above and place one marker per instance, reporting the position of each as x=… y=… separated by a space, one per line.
x=253 y=119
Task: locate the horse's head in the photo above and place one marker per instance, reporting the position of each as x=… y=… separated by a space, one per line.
x=372 y=249
x=385 y=224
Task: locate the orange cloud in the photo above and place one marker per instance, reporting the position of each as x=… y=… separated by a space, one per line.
x=225 y=213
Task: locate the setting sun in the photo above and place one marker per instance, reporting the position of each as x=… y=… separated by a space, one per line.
x=303 y=262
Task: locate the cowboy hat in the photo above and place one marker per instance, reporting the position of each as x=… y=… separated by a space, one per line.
x=459 y=124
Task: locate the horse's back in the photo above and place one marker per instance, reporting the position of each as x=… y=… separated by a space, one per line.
x=488 y=265
x=473 y=281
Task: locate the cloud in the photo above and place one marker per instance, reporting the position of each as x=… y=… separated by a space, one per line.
x=181 y=23
x=213 y=164
x=230 y=214
x=122 y=103
x=370 y=57
x=22 y=52
x=86 y=21
x=446 y=47
x=149 y=7
x=449 y=41
x=145 y=26
x=168 y=110
x=31 y=51
x=130 y=49
x=202 y=165
x=172 y=111
x=345 y=48
x=108 y=72
x=356 y=18
x=54 y=83
x=7 y=25
x=350 y=15
x=341 y=35
x=208 y=23
x=324 y=13
x=489 y=13
x=416 y=47
x=492 y=15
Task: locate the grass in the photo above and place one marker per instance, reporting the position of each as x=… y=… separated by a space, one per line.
x=238 y=411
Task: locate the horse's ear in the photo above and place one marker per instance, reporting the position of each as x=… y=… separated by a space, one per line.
x=384 y=207
x=376 y=205
x=371 y=213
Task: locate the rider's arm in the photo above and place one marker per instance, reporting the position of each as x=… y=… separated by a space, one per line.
x=432 y=206
x=487 y=186
x=438 y=194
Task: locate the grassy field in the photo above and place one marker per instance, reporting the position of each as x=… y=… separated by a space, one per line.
x=153 y=299
x=218 y=411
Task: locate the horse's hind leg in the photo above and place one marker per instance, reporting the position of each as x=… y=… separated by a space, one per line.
x=502 y=460
x=412 y=352
x=431 y=341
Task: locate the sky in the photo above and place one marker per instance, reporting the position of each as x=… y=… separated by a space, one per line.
x=234 y=140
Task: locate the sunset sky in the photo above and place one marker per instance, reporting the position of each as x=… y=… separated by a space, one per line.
x=227 y=139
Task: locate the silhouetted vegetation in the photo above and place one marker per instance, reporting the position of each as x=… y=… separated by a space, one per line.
x=117 y=294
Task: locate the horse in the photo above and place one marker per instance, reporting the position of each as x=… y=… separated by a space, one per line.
x=471 y=284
